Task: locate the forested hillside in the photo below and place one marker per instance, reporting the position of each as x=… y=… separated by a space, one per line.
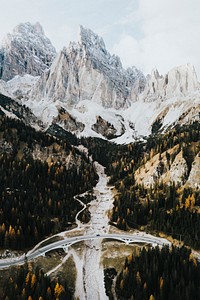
x=41 y=172
x=165 y=207
x=160 y=274
x=39 y=176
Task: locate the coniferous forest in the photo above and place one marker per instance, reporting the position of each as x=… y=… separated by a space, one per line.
x=29 y=284
x=39 y=172
x=160 y=274
x=37 y=194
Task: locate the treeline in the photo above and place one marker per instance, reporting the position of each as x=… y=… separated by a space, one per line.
x=34 y=285
x=108 y=153
x=20 y=111
x=36 y=197
x=160 y=274
x=122 y=160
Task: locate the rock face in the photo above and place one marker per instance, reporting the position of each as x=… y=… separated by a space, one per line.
x=194 y=177
x=67 y=122
x=104 y=128
x=158 y=169
x=86 y=71
x=180 y=81
x=178 y=169
x=26 y=51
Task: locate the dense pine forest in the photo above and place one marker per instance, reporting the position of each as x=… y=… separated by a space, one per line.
x=29 y=284
x=160 y=274
x=37 y=194
x=161 y=208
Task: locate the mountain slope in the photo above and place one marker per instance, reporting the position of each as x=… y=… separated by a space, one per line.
x=39 y=175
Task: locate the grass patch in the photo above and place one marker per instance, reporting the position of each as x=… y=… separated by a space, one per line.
x=50 y=261
x=114 y=254
x=68 y=272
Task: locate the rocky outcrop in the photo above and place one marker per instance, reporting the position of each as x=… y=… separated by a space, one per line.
x=178 y=169
x=86 y=71
x=159 y=169
x=194 y=177
x=67 y=122
x=104 y=128
x=180 y=81
x=26 y=51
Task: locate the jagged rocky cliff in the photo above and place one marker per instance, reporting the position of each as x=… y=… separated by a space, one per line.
x=178 y=82
x=86 y=90
x=86 y=71
x=26 y=51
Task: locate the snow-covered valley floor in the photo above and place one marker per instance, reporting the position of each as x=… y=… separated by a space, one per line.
x=90 y=285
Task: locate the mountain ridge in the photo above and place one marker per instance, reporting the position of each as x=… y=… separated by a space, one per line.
x=86 y=71
x=102 y=99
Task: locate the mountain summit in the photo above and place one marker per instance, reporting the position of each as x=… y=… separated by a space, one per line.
x=86 y=90
x=87 y=71
x=26 y=51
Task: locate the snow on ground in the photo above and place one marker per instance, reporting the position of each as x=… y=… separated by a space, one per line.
x=93 y=271
x=80 y=291
x=103 y=202
x=21 y=85
x=90 y=274
x=44 y=112
x=4 y=89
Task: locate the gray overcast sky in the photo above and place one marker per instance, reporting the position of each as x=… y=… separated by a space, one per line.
x=144 y=33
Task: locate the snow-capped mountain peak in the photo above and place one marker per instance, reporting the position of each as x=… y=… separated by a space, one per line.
x=95 y=49
x=87 y=91
x=90 y=39
x=87 y=71
x=28 y=28
x=25 y=51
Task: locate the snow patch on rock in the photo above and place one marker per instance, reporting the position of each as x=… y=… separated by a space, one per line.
x=26 y=51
